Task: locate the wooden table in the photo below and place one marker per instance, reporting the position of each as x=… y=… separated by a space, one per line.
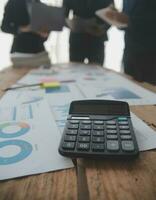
x=95 y=180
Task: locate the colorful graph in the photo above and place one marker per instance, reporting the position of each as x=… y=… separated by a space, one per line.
x=62 y=89
x=13 y=129
x=25 y=151
x=61 y=113
x=118 y=93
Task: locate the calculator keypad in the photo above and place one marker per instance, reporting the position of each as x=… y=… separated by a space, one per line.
x=104 y=137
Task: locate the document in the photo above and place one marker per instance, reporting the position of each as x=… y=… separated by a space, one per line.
x=25 y=59
x=146 y=136
x=46 y=18
x=29 y=140
x=105 y=13
x=92 y=82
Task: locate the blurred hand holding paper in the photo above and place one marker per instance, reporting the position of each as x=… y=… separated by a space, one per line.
x=113 y=17
x=80 y=25
x=46 y=18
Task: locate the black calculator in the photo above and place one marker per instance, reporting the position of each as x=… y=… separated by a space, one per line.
x=99 y=128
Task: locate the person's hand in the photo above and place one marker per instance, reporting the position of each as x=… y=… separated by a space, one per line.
x=24 y=29
x=43 y=32
x=116 y=16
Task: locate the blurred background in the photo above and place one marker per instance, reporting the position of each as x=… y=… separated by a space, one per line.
x=57 y=43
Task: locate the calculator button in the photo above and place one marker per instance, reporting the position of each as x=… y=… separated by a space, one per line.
x=112 y=145
x=86 y=122
x=73 y=121
x=126 y=137
x=98 y=139
x=98 y=122
x=83 y=146
x=73 y=126
x=84 y=132
x=70 y=138
x=98 y=133
x=122 y=118
x=87 y=127
x=111 y=131
x=98 y=127
x=71 y=132
x=98 y=147
x=127 y=146
x=84 y=139
x=112 y=137
x=123 y=122
x=68 y=145
x=111 y=127
x=123 y=127
x=125 y=132
x=111 y=122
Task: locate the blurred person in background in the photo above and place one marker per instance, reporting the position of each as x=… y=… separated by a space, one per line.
x=87 y=43
x=16 y=21
x=139 y=56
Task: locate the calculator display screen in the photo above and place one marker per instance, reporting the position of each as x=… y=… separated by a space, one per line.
x=100 y=109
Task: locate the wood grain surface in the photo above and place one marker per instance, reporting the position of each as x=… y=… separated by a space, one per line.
x=90 y=179
x=47 y=186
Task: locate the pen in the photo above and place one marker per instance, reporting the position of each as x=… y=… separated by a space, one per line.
x=22 y=86
x=38 y=84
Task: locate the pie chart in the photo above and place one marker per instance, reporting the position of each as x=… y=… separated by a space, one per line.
x=13 y=129
x=25 y=149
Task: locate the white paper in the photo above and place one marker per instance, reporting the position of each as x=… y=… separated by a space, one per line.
x=115 y=87
x=39 y=143
x=146 y=137
x=94 y=82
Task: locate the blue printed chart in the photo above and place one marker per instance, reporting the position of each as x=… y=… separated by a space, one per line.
x=25 y=151
x=11 y=130
x=62 y=89
x=25 y=143
x=60 y=113
x=118 y=93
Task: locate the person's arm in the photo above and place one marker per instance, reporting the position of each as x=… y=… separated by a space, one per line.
x=106 y=4
x=8 y=24
x=97 y=27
